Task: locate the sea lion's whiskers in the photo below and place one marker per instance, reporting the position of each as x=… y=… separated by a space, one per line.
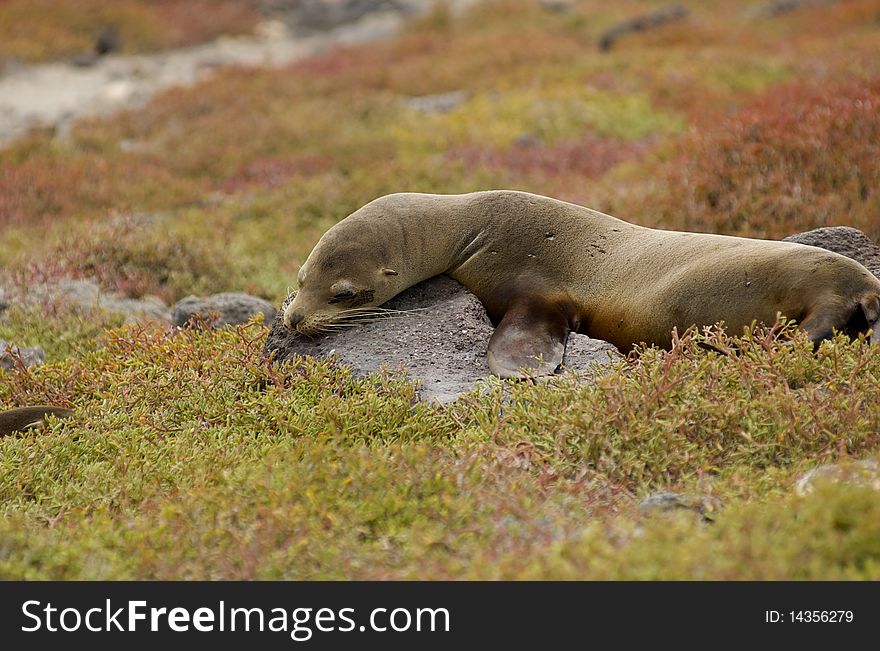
x=365 y=320
x=327 y=327
x=371 y=314
x=333 y=327
x=379 y=310
x=370 y=318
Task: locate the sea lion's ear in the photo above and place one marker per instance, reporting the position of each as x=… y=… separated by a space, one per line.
x=389 y=272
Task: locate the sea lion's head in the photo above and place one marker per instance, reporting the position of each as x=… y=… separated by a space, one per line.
x=340 y=281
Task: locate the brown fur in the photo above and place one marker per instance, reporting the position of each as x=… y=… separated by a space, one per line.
x=544 y=267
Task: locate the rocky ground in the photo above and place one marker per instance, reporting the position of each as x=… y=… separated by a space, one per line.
x=53 y=95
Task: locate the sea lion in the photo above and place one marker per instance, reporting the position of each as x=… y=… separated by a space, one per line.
x=543 y=268
x=22 y=418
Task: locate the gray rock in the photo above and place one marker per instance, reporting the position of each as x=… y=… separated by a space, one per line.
x=657 y=18
x=780 y=7
x=108 y=40
x=234 y=308
x=856 y=473
x=847 y=241
x=87 y=294
x=557 y=6
x=441 y=342
x=29 y=356
x=310 y=16
x=440 y=103
x=528 y=140
x=136 y=310
x=666 y=501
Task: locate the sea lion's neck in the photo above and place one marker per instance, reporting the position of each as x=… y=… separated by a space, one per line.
x=437 y=233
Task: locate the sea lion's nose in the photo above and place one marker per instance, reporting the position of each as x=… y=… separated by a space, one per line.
x=292 y=319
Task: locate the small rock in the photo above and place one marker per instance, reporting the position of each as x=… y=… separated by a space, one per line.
x=108 y=40
x=528 y=140
x=310 y=16
x=234 y=308
x=844 y=240
x=780 y=7
x=857 y=473
x=136 y=310
x=440 y=103
x=557 y=6
x=666 y=501
x=658 y=17
x=87 y=294
x=29 y=356
x=80 y=292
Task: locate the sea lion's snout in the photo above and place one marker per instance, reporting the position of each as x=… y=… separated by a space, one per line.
x=292 y=319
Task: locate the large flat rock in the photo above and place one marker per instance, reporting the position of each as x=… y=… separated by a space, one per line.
x=442 y=342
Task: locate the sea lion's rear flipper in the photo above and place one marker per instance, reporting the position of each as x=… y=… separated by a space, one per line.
x=870 y=305
x=861 y=318
x=529 y=340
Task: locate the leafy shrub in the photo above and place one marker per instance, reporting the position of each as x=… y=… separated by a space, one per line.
x=802 y=156
x=133 y=255
x=586 y=157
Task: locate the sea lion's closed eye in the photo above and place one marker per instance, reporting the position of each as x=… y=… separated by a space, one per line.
x=344 y=295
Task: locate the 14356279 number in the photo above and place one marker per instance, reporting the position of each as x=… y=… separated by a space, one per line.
x=823 y=616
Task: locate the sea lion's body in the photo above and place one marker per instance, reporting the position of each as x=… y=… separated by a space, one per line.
x=543 y=268
x=22 y=418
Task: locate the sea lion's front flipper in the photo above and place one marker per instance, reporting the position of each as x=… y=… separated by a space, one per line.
x=529 y=340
